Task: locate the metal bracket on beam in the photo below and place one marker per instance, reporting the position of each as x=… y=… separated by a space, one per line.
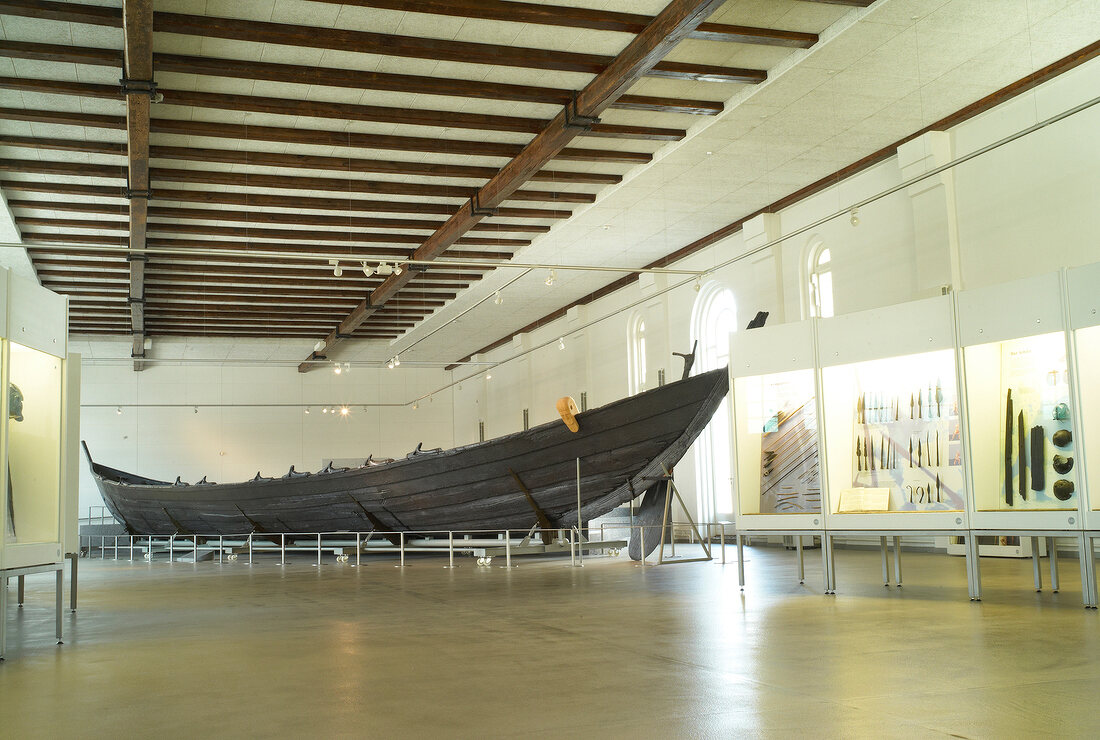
x=315 y=356
x=136 y=258
x=477 y=210
x=573 y=119
x=416 y=267
x=131 y=86
x=132 y=300
x=344 y=336
x=129 y=194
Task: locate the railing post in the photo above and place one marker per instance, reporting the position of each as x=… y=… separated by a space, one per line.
x=507 y=549
x=401 y=545
x=150 y=552
x=356 y=549
x=131 y=548
x=172 y=549
x=722 y=539
x=250 y=548
x=451 y=548
x=282 y=548
x=221 y=548
x=318 y=549
x=641 y=528
x=116 y=547
x=196 y=553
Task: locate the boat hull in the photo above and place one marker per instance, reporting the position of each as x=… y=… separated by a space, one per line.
x=621 y=447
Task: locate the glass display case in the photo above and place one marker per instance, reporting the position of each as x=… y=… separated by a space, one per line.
x=1083 y=293
x=891 y=419
x=775 y=430
x=32 y=443
x=1021 y=419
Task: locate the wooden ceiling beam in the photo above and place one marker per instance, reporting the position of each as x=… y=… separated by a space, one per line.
x=248 y=231
x=260 y=200
x=597 y=20
x=244 y=179
x=35 y=240
x=305 y=161
x=285 y=135
x=365 y=42
x=139 y=88
x=335 y=286
x=678 y=18
x=349 y=78
x=264 y=217
x=340 y=111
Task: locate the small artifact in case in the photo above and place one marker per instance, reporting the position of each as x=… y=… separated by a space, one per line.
x=1062 y=438
x=1062 y=465
x=1063 y=489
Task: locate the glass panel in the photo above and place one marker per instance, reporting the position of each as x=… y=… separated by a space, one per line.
x=896 y=421
x=1021 y=424
x=776 y=429
x=1088 y=359
x=34 y=445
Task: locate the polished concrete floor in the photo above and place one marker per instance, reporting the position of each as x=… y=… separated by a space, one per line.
x=544 y=650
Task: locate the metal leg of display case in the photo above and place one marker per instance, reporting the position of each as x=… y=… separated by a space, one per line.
x=1052 y=553
x=74 y=558
x=897 y=561
x=19 y=573
x=973 y=567
x=3 y=615
x=801 y=560
x=1087 y=547
x=740 y=560
x=20 y=590
x=1035 y=565
x=59 y=591
x=885 y=562
x=828 y=563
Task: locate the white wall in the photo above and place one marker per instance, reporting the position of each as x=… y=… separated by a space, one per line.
x=1029 y=207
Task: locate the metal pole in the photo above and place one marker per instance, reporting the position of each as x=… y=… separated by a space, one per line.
x=172 y=549
x=250 y=548
x=20 y=589
x=897 y=561
x=801 y=560
x=641 y=528
x=572 y=548
x=451 y=548
x=221 y=547
x=740 y=560
x=401 y=545
x=282 y=548
x=103 y=547
x=578 y=495
x=116 y=547
x=1052 y=553
x=59 y=589
x=196 y=553
x=356 y=549
x=722 y=540
x=318 y=549
x=72 y=580
x=1035 y=564
x=885 y=562
x=507 y=549
x=131 y=548
x=150 y=553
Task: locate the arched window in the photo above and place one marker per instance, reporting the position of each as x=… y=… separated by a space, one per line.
x=635 y=344
x=819 y=270
x=713 y=319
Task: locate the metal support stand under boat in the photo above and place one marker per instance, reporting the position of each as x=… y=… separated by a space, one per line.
x=580 y=553
x=671 y=491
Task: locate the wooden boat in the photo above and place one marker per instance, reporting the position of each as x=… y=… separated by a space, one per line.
x=512 y=482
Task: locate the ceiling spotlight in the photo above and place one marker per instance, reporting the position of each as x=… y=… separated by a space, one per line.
x=416 y=405
x=488 y=376
x=337 y=271
x=324 y=410
x=384 y=268
x=390 y=364
x=343 y=411
x=347 y=367
x=337 y=368
x=698 y=285
x=551 y=277
x=854 y=220
x=396 y=360
x=397 y=269
x=118 y=411
x=367 y=269
x=196 y=409
x=307 y=409
x=498 y=298
x=561 y=342
x=319 y=346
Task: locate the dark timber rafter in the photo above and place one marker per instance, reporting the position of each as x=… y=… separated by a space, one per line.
x=570 y=17
x=413 y=47
x=137 y=27
x=346 y=78
x=679 y=18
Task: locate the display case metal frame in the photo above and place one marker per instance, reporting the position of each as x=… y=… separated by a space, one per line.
x=754 y=354
x=36 y=318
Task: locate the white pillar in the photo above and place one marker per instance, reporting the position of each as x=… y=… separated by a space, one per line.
x=935 y=219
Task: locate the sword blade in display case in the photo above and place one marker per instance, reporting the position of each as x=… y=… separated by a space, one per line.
x=1008 y=448
x=1022 y=442
x=1038 y=458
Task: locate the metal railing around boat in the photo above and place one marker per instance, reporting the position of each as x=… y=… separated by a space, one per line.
x=489 y=543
